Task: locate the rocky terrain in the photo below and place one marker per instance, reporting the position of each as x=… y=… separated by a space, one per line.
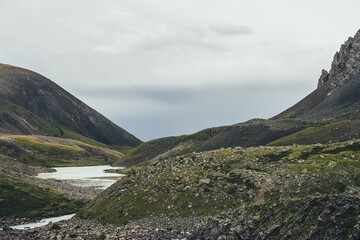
x=294 y=192
x=323 y=217
x=151 y=229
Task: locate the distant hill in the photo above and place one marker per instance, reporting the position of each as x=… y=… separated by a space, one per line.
x=329 y=114
x=45 y=105
x=249 y=134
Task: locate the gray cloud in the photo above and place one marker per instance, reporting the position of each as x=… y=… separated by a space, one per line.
x=231 y=29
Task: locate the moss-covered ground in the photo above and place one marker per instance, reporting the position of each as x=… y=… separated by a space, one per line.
x=21 y=199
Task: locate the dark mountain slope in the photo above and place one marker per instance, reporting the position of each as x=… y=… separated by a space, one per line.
x=17 y=120
x=342 y=103
x=47 y=100
x=253 y=133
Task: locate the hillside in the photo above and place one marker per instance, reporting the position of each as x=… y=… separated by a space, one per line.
x=18 y=120
x=27 y=199
x=54 y=105
x=295 y=192
x=37 y=150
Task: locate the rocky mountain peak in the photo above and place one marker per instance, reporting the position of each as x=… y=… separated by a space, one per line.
x=345 y=65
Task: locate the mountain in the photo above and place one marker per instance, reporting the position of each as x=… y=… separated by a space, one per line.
x=46 y=100
x=338 y=93
x=329 y=114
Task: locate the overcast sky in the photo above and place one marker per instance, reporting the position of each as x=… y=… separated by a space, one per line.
x=170 y=67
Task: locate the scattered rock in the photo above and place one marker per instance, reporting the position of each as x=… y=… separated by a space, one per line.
x=205 y=181
x=54 y=226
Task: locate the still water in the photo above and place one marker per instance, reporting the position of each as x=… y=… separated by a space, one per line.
x=85 y=176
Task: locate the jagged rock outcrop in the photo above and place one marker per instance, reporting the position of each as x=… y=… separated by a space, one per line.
x=323 y=78
x=346 y=63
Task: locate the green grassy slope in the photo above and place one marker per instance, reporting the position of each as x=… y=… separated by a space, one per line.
x=51 y=151
x=21 y=199
x=322 y=132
